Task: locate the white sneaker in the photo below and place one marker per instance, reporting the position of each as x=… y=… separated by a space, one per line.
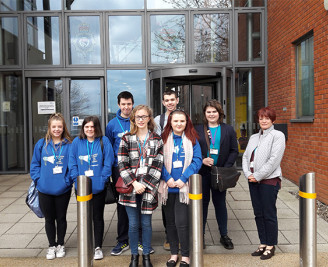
x=51 y=253
x=98 y=254
x=60 y=251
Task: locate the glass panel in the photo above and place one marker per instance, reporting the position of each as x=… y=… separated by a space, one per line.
x=305 y=79
x=44 y=91
x=249 y=37
x=11 y=122
x=200 y=94
x=249 y=3
x=104 y=4
x=168 y=39
x=9 y=5
x=9 y=41
x=211 y=38
x=133 y=81
x=43 y=44
x=84 y=36
x=42 y=5
x=182 y=4
x=125 y=39
x=85 y=100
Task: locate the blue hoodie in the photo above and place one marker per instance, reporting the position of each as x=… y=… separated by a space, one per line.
x=45 y=158
x=115 y=130
x=176 y=173
x=100 y=162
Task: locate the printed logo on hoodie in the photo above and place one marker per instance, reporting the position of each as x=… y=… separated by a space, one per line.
x=86 y=159
x=51 y=159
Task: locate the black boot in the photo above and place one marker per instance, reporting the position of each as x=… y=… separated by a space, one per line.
x=134 y=261
x=146 y=261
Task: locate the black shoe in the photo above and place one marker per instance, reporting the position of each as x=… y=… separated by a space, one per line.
x=260 y=250
x=146 y=261
x=268 y=253
x=171 y=263
x=184 y=264
x=134 y=261
x=226 y=242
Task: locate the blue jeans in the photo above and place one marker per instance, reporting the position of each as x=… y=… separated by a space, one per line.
x=264 y=199
x=136 y=218
x=219 y=202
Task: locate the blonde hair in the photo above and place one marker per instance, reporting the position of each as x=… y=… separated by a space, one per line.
x=151 y=123
x=65 y=134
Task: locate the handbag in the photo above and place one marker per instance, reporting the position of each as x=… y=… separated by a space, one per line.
x=32 y=200
x=111 y=194
x=223 y=178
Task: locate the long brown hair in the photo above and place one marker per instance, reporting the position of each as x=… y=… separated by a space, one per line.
x=151 y=123
x=217 y=105
x=65 y=134
x=96 y=125
x=189 y=131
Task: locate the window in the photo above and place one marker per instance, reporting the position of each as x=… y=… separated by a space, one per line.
x=304 y=78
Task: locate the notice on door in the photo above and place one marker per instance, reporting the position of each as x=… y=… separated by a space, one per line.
x=46 y=107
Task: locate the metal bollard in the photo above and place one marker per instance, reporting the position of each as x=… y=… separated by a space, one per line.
x=196 y=215
x=84 y=221
x=308 y=221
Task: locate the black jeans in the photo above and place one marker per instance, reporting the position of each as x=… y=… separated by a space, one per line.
x=122 y=217
x=98 y=203
x=54 y=209
x=264 y=199
x=177 y=224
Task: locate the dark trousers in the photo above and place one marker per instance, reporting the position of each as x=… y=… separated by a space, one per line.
x=177 y=224
x=54 y=209
x=98 y=204
x=264 y=199
x=122 y=217
x=219 y=202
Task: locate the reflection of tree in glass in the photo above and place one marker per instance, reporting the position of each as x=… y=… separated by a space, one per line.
x=199 y=3
x=79 y=101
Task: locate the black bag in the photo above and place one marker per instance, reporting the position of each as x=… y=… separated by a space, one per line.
x=111 y=194
x=223 y=178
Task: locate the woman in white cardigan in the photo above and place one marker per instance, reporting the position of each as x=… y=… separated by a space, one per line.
x=261 y=166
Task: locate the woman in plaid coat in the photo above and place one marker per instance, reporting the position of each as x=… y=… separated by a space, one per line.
x=140 y=161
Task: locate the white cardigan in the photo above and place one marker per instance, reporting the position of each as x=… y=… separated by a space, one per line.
x=270 y=147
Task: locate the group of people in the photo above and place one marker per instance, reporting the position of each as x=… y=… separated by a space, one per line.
x=156 y=156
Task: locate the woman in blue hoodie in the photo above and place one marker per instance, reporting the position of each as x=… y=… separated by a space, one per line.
x=92 y=155
x=182 y=158
x=49 y=171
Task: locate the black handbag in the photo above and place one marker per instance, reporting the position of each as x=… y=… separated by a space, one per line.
x=111 y=194
x=223 y=178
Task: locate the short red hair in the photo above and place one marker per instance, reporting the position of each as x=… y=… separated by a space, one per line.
x=267 y=112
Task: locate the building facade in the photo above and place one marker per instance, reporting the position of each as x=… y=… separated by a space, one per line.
x=298 y=85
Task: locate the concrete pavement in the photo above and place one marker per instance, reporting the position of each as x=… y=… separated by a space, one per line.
x=23 y=241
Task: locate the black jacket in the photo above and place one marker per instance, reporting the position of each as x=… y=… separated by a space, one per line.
x=228 y=146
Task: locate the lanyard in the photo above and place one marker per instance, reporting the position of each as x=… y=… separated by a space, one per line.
x=121 y=125
x=213 y=139
x=89 y=154
x=143 y=147
x=57 y=157
x=177 y=152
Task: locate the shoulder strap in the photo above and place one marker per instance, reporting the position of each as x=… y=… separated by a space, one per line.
x=161 y=121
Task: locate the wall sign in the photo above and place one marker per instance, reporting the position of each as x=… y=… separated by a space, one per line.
x=46 y=107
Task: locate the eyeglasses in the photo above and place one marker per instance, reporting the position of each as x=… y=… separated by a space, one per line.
x=138 y=118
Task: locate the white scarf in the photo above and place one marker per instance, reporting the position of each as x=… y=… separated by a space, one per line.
x=168 y=154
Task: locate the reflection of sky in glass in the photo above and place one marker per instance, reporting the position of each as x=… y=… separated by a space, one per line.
x=133 y=81
x=53 y=5
x=125 y=39
x=106 y=4
x=10 y=25
x=85 y=40
x=167 y=38
x=168 y=4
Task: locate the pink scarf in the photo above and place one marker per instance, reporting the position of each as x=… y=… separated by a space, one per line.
x=168 y=153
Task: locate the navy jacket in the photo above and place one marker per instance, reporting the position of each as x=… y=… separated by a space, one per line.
x=228 y=147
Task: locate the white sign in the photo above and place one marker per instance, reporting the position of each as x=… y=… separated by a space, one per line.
x=6 y=106
x=46 y=107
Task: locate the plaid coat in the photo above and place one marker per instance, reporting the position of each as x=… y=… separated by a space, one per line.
x=128 y=158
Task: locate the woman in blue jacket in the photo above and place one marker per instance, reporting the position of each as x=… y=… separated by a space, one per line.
x=182 y=158
x=49 y=171
x=92 y=155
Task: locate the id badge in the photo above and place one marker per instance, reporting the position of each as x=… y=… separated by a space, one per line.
x=57 y=169
x=88 y=173
x=214 y=151
x=177 y=164
x=251 y=165
x=142 y=171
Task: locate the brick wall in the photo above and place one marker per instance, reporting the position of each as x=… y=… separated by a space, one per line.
x=307 y=146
